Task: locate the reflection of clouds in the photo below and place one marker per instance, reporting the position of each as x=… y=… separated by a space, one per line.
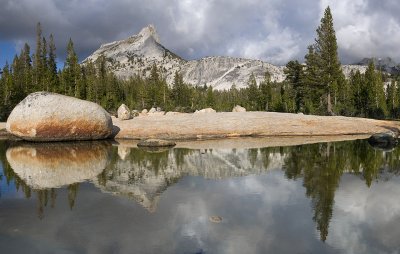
x=193 y=215
x=366 y=220
x=265 y=213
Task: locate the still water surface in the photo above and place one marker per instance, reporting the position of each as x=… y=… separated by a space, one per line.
x=93 y=197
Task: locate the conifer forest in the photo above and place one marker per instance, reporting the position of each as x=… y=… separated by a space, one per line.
x=317 y=86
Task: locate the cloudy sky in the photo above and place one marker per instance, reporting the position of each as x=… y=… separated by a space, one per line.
x=272 y=30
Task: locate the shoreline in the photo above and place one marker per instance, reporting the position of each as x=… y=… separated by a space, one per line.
x=241 y=129
x=205 y=126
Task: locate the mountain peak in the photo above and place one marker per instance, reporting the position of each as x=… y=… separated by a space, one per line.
x=149 y=31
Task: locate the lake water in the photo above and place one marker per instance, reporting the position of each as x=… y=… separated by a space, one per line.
x=95 y=197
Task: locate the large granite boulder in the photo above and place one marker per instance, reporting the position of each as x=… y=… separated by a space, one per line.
x=44 y=116
x=124 y=112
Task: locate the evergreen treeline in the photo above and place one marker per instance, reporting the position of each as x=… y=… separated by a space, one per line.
x=316 y=87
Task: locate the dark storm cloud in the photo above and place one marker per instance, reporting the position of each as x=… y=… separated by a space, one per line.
x=272 y=30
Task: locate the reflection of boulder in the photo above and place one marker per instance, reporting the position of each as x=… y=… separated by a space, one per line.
x=51 y=165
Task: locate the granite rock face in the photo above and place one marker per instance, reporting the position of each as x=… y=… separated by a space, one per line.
x=44 y=116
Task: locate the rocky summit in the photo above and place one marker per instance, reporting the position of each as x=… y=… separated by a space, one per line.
x=137 y=54
x=44 y=116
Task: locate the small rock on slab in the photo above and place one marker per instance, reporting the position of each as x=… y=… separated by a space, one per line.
x=156 y=143
x=205 y=110
x=238 y=108
x=123 y=112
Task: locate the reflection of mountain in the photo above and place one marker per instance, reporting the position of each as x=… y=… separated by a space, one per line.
x=143 y=175
x=52 y=165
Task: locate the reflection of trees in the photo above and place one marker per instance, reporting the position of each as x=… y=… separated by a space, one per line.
x=179 y=155
x=252 y=155
x=43 y=195
x=322 y=165
x=72 y=193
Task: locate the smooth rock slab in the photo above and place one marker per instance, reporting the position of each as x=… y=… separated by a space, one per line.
x=44 y=116
x=156 y=143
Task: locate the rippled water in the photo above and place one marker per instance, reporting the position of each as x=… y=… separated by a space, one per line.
x=95 y=197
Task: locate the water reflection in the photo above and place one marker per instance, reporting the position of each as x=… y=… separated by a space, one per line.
x=143 y=176
x=42 y=168
x=52 y=165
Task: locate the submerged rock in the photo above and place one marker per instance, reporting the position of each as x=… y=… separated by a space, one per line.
x=215 y=219
x=44 y=116
x=123 y=112
x=385 y=140
x=52 y=165
x=156 y=143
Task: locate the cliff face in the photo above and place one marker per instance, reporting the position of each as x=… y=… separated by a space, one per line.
x=137 y=54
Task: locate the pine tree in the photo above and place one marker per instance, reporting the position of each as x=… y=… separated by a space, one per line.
x=210 y=99
x=7 y=84
x=45 y=74
x=72 y=72
x=38 y=65
x=52 y=65
x=294 y=74
x=375 y=92
x=265 y=96
x=392 y=99
x=359 y=93
x=327 y=62
x=26 y=61
x=252 y=93
x=180 y=92
x=313 y=88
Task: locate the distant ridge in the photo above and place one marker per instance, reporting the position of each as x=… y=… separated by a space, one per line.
x=385 y=64
x=137 y=53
